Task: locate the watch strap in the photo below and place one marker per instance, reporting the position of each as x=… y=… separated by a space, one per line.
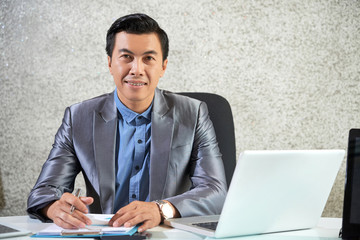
x=161 y=204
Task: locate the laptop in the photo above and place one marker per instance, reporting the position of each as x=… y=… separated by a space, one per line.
x=271 y=191
x=8 y=230
x=351 y=210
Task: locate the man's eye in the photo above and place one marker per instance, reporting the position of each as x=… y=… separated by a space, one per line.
x=149 y=58
x=126 y=58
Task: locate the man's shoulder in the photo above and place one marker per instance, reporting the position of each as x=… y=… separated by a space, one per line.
x=182 y=106
x=95 y=103
x=179 y=99
x=98 y=100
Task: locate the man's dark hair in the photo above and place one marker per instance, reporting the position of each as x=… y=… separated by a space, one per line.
x=137 y=23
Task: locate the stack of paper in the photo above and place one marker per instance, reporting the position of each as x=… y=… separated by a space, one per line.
x=98 y=228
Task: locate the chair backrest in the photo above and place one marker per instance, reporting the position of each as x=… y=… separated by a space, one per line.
x=221 y=116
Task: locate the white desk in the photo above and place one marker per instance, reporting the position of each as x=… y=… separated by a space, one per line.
x=327 y=229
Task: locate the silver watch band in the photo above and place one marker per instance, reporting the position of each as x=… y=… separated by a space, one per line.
x=164 y=214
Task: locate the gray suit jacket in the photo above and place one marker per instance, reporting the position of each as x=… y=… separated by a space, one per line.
x=185 y=162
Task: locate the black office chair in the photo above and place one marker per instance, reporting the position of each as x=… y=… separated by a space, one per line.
x=221 y=116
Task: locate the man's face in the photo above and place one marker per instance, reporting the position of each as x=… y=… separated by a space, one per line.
x=136 y=66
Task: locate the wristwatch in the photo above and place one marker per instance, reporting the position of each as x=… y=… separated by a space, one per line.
x=165 y=208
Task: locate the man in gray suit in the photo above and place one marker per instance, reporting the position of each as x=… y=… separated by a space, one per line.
x=146 y=154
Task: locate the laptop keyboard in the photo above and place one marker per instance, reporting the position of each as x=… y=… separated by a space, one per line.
x=207 y=225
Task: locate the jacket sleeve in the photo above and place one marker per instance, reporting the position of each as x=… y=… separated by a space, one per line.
x=58 y=172
x=208 y=189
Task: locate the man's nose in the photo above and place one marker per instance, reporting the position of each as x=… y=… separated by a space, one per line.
x=137 y=67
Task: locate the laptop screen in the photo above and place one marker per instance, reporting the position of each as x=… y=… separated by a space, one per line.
x=355 y=186
x=351 y=213
x=8 y=230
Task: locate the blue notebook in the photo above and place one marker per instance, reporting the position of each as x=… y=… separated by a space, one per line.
x=97 y=229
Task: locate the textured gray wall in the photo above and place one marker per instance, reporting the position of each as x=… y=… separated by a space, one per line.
x=290 y=70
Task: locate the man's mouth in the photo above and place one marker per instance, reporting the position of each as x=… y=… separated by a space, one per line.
x=137 y=84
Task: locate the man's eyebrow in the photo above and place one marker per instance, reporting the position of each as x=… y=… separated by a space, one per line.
x=145 y=53
x=150 y=52
x=125 y=50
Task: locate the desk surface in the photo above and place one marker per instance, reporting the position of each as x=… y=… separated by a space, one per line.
x=327 y=229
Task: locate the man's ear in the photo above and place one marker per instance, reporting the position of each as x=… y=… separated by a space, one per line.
x=109 y=64
x=164 y=65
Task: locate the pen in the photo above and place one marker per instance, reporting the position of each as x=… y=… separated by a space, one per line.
x=77 y=194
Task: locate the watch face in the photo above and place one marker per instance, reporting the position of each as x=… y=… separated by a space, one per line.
x=167 y=211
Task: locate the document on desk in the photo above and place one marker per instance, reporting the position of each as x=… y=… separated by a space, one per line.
x=97 y=229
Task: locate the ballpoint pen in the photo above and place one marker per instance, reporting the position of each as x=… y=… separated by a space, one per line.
x=77 y=194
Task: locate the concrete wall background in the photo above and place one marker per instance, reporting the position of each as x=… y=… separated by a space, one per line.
x=290 y=70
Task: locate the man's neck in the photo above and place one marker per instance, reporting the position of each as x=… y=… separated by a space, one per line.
x=138 y=106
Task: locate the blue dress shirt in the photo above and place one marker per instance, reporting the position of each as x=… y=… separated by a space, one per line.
x=133 y=155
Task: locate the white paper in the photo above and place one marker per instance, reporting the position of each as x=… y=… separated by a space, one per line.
x=99 y=226
x=100 y=219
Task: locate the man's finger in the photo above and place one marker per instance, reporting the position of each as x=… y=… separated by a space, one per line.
x=135 y=213
x=147 y=225
x=82 y=217
x=136 y=219
x=60 y=212
x=77 y=203
x=87 y=200
x=114 y=218
x=121 y=220
x=59 y=222
x=69 y=220
x=121 y=212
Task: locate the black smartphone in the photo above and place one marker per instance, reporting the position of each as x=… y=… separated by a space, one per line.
x=136 y=236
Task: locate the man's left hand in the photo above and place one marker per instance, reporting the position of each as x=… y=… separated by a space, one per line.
x=137 y=212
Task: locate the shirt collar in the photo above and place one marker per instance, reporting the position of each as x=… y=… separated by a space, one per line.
x=127 y=114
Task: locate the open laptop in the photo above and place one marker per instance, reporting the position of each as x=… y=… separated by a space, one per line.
x=271 y=191
x=8 y=230
x=351 y=211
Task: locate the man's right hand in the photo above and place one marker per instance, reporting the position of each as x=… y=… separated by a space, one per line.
x=59 y=211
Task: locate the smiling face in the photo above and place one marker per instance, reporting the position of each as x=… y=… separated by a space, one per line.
x=136 y=66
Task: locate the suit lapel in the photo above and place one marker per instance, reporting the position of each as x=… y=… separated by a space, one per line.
x=105 y=122
x=161 y=137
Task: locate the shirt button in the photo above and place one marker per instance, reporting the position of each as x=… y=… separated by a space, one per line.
x=139 y=141
x=133 y=196
x=137 y=167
